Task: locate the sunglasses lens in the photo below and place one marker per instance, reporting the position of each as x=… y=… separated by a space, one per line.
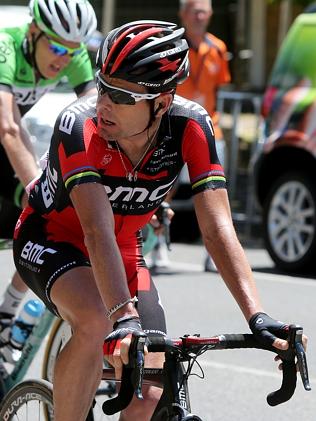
x=119 y=97
x=58 y=50
x=116 y=96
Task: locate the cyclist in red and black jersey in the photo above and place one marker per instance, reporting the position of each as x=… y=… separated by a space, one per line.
x=112 y=160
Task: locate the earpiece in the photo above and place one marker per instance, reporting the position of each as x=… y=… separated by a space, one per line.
x=160 y=106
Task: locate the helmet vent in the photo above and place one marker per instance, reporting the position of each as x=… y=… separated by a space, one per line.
x=62 y=19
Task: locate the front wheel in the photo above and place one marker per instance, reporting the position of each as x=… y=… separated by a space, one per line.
x=29 y=400
x=58 y=337
x=289 y=219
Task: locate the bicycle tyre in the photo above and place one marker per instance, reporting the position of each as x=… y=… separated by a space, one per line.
x=27 y=400
x=56 y=340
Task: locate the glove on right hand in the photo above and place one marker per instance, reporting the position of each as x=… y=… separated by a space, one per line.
x=122 y=328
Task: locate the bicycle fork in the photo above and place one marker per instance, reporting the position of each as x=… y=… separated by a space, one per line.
x=174 y=404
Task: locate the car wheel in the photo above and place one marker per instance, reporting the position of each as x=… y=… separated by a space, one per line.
x=289 y=219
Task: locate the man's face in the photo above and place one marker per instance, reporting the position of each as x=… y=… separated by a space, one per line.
x=119 y=121
x=53 y=54
x=195 y=16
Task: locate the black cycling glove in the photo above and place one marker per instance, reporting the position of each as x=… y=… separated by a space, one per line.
x=266 y=329
x=121 y=328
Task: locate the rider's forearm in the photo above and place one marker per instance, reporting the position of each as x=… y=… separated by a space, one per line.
x=97 y=221
x=109 y=272
x=232 y=264
x=21 y=156
x=15 y=140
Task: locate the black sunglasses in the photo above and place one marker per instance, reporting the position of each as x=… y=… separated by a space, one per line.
x=120 y=95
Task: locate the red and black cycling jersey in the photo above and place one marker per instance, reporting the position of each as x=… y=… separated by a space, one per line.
x=79 y=155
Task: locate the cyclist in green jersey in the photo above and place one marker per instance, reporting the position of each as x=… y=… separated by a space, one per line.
x=33 y=59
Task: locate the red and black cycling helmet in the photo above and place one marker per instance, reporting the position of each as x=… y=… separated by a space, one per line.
x=150 y=53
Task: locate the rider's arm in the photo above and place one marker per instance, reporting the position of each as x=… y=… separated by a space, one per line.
x=214 y=217
x=96 y=217
x=15 y=140
x=215 y=221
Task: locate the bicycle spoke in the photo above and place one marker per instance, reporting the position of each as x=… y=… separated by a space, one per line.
x=28 y=401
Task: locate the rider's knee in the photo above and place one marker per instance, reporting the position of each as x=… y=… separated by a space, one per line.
x=93 y=325
x=143 y=409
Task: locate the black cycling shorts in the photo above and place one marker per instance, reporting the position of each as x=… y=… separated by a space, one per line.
x=40 y=261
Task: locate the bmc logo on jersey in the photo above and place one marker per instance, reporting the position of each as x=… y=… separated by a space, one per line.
x=138 y=194
x=68 y=117
x=33 y=252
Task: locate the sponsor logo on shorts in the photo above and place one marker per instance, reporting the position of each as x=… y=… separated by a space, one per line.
x=33 y=252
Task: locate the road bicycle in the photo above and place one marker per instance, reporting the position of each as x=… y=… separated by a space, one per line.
x=181 y=355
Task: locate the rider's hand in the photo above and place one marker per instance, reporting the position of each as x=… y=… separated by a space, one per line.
x=269 y=331
x=117 y=343
x=157 y=223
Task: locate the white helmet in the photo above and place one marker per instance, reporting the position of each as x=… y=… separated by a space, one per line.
x=71 y=20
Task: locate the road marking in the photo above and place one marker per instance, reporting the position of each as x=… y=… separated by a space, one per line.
x=285 y=279
x=267 y=277
x=244 y=370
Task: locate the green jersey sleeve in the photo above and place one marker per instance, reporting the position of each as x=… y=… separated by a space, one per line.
x=7 y=59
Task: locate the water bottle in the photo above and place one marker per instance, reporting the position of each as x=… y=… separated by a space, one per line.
x=15 y=337
x=7 y=353
x=23 y=325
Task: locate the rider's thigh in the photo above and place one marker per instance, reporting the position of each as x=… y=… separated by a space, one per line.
x=78 y=301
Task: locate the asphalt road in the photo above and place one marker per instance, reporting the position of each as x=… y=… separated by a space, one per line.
x=236 y=382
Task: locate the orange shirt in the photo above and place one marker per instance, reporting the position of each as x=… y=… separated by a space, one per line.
x=208 y=70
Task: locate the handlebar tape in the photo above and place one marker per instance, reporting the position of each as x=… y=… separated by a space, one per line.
x=124 y=397
x=288 y=386
x=289 y=379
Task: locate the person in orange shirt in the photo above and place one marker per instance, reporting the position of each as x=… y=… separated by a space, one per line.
x=208 y=68
x=208 y=59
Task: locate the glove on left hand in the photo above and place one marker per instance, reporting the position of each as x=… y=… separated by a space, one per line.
x=266 y=329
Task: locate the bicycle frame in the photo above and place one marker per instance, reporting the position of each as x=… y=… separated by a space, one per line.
x=174 y=402
x=29 y=351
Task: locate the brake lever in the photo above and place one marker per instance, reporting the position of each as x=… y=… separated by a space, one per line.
x=301 y=358
x=138 y=372
x=296 y=346
x=295 y=349
x=132 y=379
